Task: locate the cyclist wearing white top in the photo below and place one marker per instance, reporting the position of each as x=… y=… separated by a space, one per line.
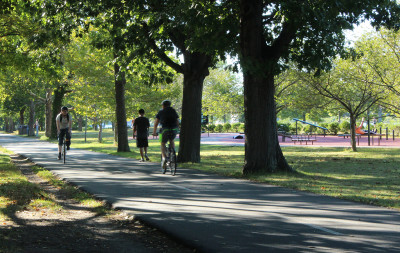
x=64 y=125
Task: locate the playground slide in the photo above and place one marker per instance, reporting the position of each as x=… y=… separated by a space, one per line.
x=305 y=122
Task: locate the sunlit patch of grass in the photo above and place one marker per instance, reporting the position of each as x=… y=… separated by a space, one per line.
x=16 y=192
x=43 y=203
x=83 y=198
x=5 y=151
x=44 y=138
x=48 y=176
x=369 y=176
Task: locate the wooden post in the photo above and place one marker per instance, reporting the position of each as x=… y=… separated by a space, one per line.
x=387 y=134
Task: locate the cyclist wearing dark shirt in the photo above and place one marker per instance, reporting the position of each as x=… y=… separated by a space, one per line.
x=141 y=127
x=169 y=120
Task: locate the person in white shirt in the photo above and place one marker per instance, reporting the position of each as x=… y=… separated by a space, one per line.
x=64 y=126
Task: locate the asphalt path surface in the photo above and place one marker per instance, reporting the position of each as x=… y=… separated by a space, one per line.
x=218 y=214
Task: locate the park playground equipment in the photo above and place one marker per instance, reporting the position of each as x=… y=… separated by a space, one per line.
x=309 y=137
x=311 y=124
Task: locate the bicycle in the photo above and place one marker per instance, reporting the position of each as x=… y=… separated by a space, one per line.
x=171 y=161
x=64 y=148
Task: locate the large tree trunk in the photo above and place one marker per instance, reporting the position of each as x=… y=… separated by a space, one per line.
x=21 y=116
x=80 y=123
x=48 y=113
x=100 y=135
x=262 y=150
x=59 y=93
x=10 y=125
x=115 y=129
x=195 y=70
x=31 y=129
x=120 y=81
x=353 y=123
x=6 y=124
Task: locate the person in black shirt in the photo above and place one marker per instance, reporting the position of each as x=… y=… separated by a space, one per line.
x=169 y=120
x=141 y=127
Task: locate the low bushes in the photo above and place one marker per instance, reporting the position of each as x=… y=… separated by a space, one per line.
x=226 y=128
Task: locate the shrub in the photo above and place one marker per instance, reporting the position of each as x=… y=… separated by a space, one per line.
x=324 y=125
x=235 y=127
x=321 y=131
x=211 y=128
x=333 y=127
x=344 y=126
x=283 y=127
x=227 y=127
x=308 y=129
x=241 y=128
x=392 y=127
x=292 y=127
x=219 y=128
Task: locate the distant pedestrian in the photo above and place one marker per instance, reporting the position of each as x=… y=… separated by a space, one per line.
x=37 y=127
x=374 y=122
x=141 y=127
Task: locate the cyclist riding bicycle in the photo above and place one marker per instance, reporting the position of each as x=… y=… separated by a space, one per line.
x=64 y=123
x=169 y=121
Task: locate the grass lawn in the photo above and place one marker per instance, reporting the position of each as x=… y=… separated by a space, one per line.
x=371 y=175
x=15 y=190
x=17 y=193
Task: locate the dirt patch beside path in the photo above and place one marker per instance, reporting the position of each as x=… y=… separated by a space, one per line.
x=76 y=228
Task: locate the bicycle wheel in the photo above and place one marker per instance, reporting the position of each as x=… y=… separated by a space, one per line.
x=172 y=161
x=64 y=150
x=163 y=168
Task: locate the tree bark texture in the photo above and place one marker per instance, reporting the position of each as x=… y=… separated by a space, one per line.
x=353 y=132
x=120 y=81
x=195 y=70
x=32 y=131
x=80 y=123
x=262 y=150
x=48 y=113
x=115 y=133
x=11 y=125
x=8 y=124
x=21 y=116
x=100 y=135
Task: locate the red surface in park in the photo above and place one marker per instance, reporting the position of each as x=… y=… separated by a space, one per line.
x=327 y=141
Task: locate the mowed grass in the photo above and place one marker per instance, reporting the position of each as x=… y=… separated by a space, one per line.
x=17 y=193
x=371 y=175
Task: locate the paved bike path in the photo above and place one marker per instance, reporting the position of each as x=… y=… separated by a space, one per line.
x=217 y=214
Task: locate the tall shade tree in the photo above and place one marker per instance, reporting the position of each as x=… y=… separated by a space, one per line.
x=25 y=23
x=116 y=19
x=152 y=29
x=351 y=85
x=198 y=31
x=274 y=32
x=381 y=51
x=223 y=93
